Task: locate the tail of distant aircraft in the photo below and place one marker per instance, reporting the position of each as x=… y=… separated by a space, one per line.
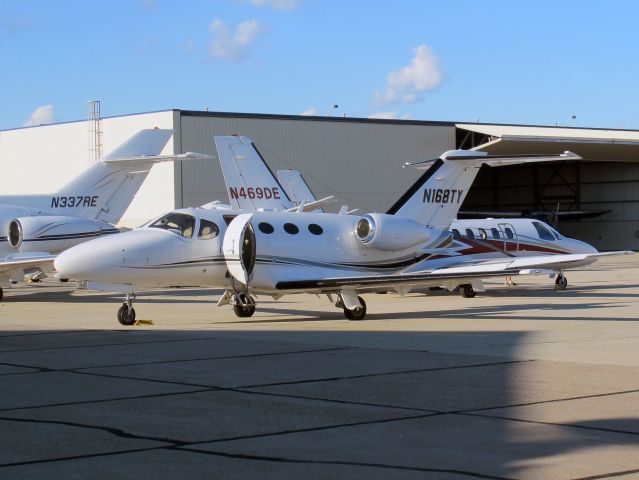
x=251 y=184
x=438 y=194
x=297 y=188
x=106 y=189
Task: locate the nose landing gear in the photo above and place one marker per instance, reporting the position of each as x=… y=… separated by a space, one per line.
x=126 y=313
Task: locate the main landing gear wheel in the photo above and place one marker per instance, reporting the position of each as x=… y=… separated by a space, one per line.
x=561 y=282
x=358 y=313
x=126 y=315
x=467 y=291
x=243 y=304
x=244 y=310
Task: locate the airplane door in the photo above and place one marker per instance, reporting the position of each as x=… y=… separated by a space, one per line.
x=505 y=228
x=238 y=247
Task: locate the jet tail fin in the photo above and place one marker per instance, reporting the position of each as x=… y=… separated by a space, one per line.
x=299 y=191
x=105 y=190
x=435 y=198
x=251 y=184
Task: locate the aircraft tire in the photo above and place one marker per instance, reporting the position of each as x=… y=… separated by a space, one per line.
x=126 y=316
x=561 y=282
x=358 y=313
x=244 y=311
x=1 y=294
x=467 y=291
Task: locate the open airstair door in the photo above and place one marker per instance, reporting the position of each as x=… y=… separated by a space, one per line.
x=239 y=248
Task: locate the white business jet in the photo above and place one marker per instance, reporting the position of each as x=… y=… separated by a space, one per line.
x=277 y=253
x=34 y=228
x=252 y=187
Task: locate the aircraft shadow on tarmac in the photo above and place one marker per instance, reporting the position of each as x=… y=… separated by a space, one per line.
x=289 y=402
x=173 y=295
x=502 y=312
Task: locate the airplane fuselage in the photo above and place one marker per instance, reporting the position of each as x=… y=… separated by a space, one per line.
x=287 y=247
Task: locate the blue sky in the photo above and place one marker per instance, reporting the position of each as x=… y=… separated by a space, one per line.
x=497 y=61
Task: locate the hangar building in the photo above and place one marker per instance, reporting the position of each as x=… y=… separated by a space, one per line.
x=357 y=159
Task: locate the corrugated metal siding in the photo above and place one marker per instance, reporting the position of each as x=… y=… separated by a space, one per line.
x=360 y=162
x=605 y=236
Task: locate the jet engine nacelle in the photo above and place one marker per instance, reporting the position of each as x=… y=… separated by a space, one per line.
x=388 y=232
x=53 y=233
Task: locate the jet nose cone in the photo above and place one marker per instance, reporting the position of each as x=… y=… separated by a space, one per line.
x=78 y=262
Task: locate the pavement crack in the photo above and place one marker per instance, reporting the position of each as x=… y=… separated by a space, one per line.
x=102 y=400
x=344 y=463
x=111 y=430
x=381 y=374
x=228 y=357
x=609 y=475
x=557 y=424
x=554 y=400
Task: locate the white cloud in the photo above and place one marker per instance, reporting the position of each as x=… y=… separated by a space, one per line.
x=148 y=4
x=310 y=112
x=40 y=116
x=408 y=83
x=277 y=4
x=233 y=45
x=391 y=116
x=190 y=46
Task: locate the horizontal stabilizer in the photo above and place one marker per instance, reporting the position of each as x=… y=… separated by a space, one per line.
x=311 y=206
x=482 y=158
x=145 y=143
x=159 y=158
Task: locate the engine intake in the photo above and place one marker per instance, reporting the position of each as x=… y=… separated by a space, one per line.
x=388 y=232
x=53 y=233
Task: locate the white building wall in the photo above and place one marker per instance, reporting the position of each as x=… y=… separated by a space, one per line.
x=42 y=159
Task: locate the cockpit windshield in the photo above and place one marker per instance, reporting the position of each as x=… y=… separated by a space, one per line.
x=543 y=231
x=555 y=232
x=179 y=223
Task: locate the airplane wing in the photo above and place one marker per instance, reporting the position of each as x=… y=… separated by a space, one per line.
x=22 y=261
x=564 y=215
x=534 y=265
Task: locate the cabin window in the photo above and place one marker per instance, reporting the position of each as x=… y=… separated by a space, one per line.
x=208 y=230
x=291 y=229
x=265 y=228
x=482 y=234
x=315 y=229
x=509 y=233
x=175 y=222
x=456 y=234
x=495 y=233
x=543 y=232
x=469 y=233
